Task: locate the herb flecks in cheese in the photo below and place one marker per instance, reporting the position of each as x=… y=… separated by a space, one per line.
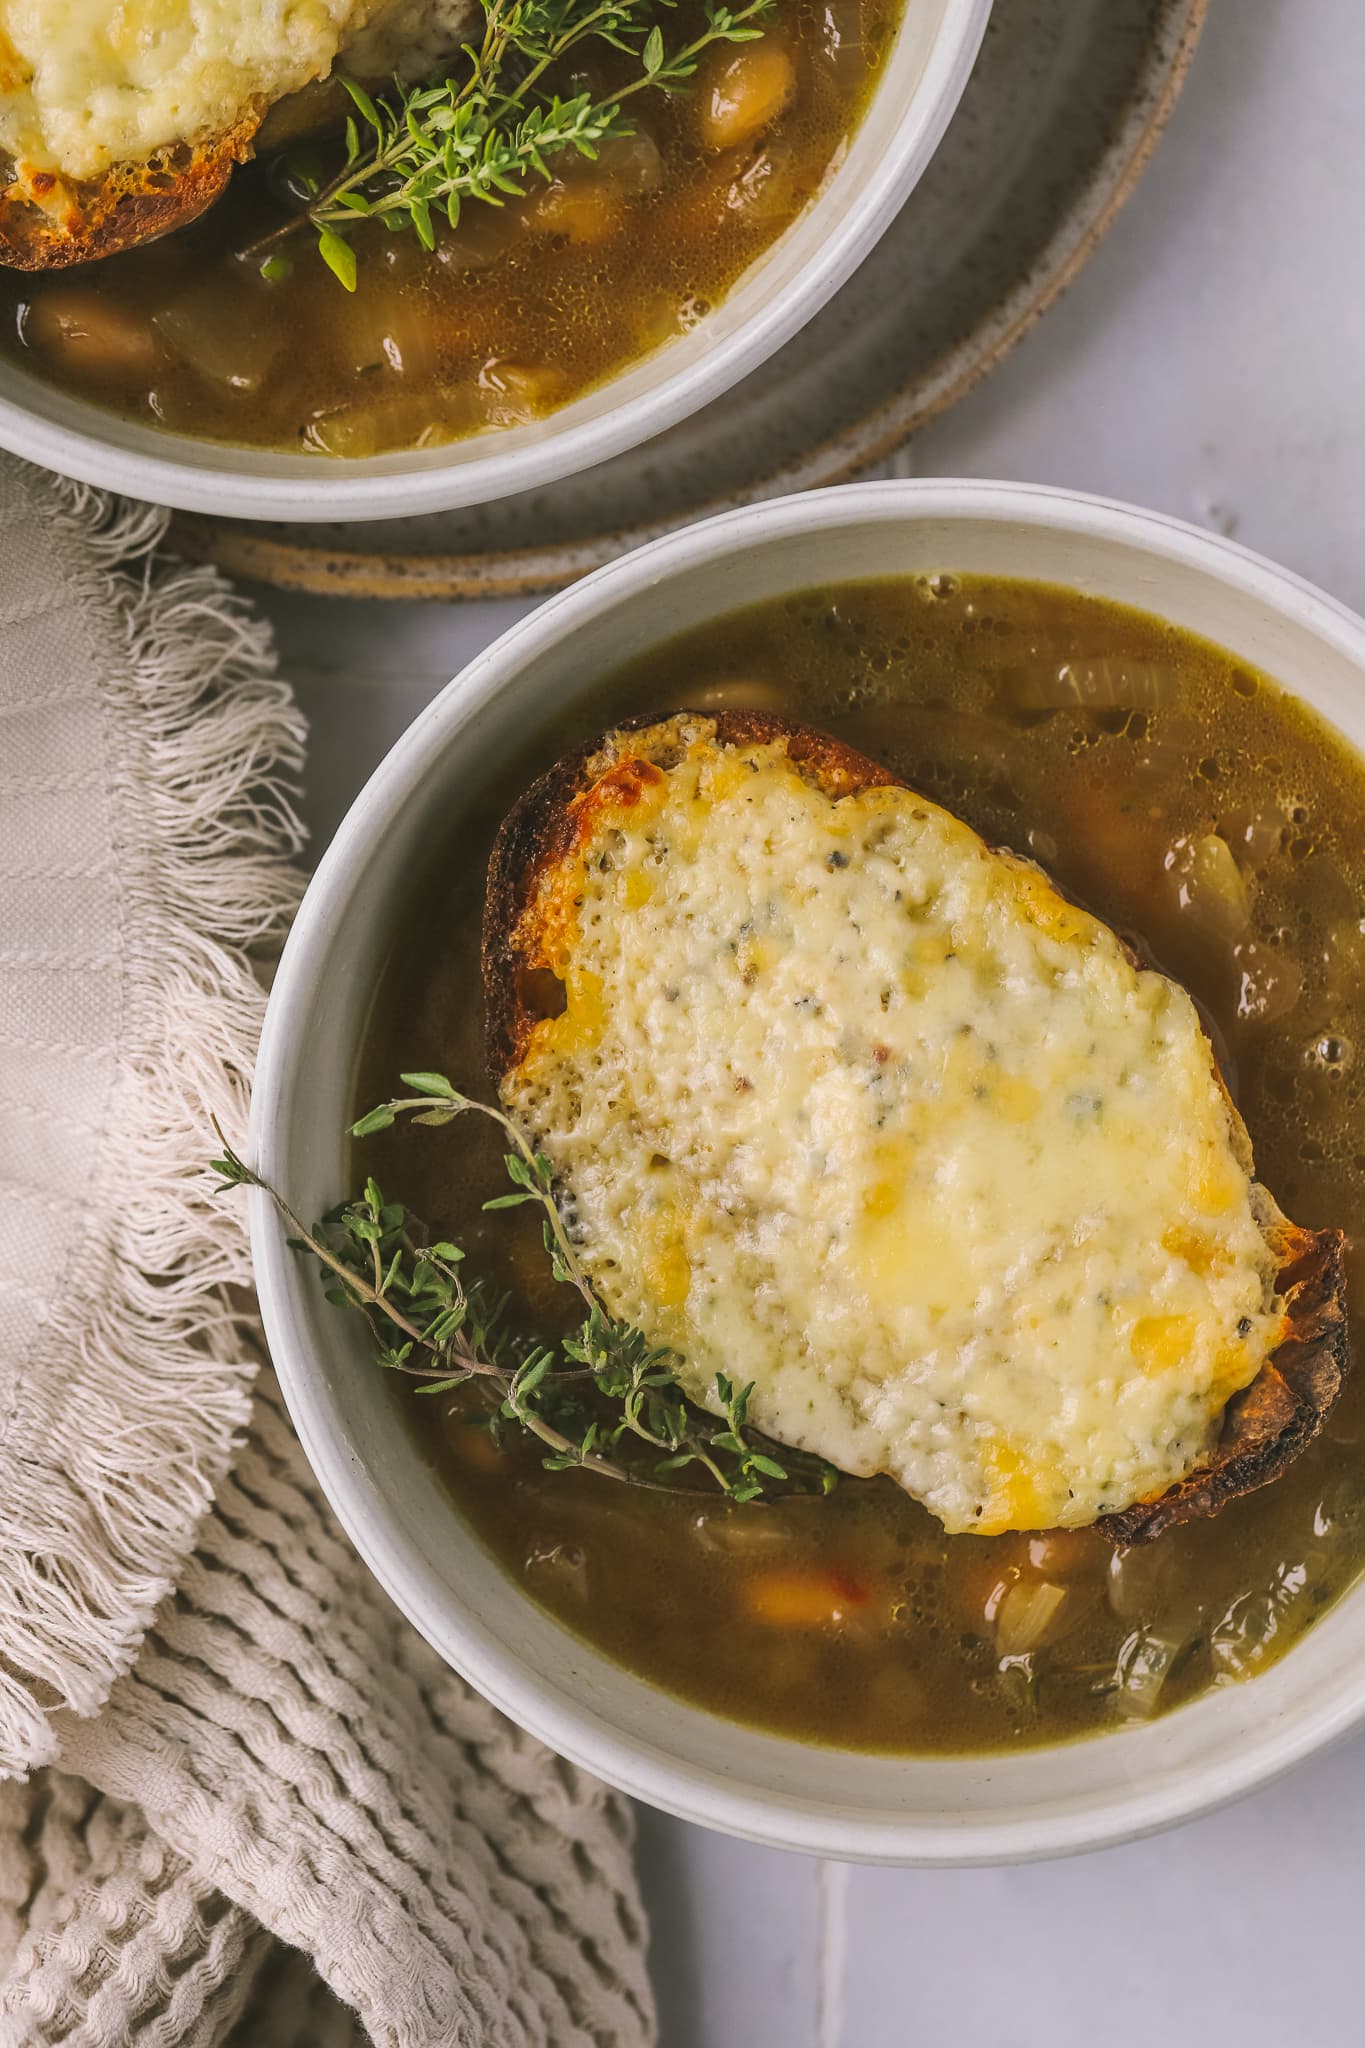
x=849 y=1105
x=86 y=84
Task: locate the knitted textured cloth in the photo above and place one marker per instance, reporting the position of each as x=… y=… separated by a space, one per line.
x=243 y=1801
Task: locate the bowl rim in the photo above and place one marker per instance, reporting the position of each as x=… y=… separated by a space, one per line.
x=635 y=1766
x=473 y=571
x=104 y=455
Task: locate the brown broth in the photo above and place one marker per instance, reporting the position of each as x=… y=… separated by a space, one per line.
x=1099 y=739
x=520 y=310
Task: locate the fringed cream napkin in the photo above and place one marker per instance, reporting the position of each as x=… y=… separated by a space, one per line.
x=244 y=1801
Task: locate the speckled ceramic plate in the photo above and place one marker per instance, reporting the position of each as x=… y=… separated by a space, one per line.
x=1062 y=111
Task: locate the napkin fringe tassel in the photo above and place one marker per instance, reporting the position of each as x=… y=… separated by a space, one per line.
x=101 y=1503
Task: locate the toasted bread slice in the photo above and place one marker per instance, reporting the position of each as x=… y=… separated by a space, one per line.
x=48 y=222
x=573 y=860
x=72 y=194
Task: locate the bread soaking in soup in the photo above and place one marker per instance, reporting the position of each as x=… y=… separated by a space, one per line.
x=857 y=1248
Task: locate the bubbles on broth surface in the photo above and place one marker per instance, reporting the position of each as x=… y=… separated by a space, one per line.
x=1331 y=1054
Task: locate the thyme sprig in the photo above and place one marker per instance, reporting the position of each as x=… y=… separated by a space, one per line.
x=481 y=136
x=601 y=1399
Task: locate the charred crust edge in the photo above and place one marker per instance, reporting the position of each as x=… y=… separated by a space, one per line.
x=1267 y=1425
x=133 y=203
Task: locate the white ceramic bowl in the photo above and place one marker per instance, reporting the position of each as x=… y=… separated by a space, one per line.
x=919 y=86
x=1044 y=1801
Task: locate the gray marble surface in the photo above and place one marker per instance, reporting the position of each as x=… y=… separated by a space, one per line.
x=1211 y=363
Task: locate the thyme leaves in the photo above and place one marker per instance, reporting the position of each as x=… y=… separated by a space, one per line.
x=422 y=153
x=601 y=1398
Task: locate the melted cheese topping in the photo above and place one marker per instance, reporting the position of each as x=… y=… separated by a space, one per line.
x=85 y=84
x=849 y=1105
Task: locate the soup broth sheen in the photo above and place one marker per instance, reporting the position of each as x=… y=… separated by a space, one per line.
x=1191 y=804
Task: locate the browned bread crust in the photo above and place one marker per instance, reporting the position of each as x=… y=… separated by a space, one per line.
x=47 y=222
x=1265 y=1427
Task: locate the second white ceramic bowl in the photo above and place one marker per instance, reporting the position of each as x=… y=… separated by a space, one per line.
x=920 y=83
x=895 y=1809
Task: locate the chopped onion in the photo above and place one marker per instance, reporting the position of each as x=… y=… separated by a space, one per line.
x=631 y=163
x=416 y=420
x=841 y=42
x=1163 y=754
x=78 y=329
x=1270 y=982
x=581 y=210
x=480 y=240
x=1209 y=887
x=1243 y=1639
x=1144 y=1665
x=513 y=393
x=1027 y=1617
x=386 y=329
x=763 y=191
x=225 y=332
x=1254 y=833
x=1100 y=684
x=730 y=1532
x=1139 y=1580
x=1344 y=958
